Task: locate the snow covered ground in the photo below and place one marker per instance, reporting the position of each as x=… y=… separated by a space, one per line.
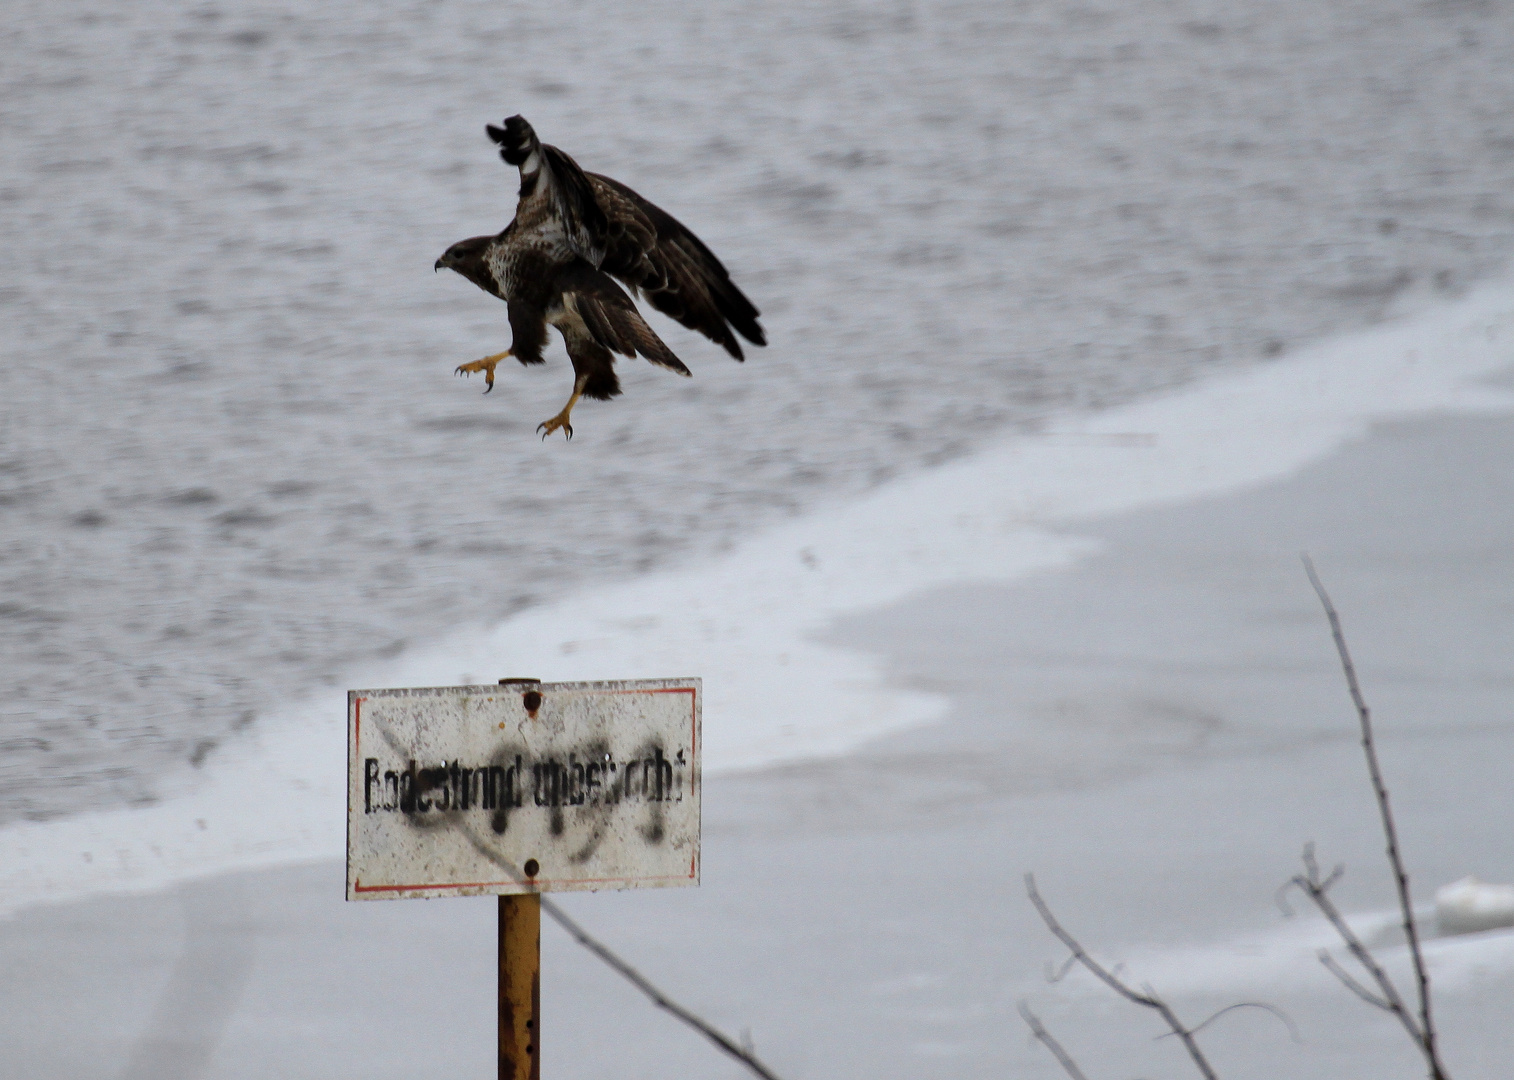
x=747 y=622
x=1088 y=652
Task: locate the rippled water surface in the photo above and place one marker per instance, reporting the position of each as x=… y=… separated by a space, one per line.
x=234 y=458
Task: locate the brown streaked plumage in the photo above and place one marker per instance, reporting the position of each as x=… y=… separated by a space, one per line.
x=613 y=228
x=573 y=231
x=594 y=315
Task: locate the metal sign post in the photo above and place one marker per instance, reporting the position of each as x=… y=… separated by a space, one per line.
x=519 y=986
x=520 y=789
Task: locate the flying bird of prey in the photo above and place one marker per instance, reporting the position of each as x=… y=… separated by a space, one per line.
x=572 y=233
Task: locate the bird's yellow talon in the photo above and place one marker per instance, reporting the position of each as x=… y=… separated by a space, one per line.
x=486 y=365
x=547 y=427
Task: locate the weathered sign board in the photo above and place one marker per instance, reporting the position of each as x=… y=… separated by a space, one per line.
x=522 y=788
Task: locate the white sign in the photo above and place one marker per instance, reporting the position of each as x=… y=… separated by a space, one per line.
x=522 y=787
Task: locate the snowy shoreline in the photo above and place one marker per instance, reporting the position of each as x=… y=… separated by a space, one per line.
x=747 y=622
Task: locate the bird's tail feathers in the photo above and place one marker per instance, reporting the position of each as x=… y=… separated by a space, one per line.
x=655 y=349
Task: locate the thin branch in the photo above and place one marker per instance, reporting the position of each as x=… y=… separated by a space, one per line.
x=1401 y=878
x=1312 y=865
x=1057 y=974
x=1037 y=1029
x=1280 y=898
x=1148 y=999
x=1333 y=966
x=1287 y=1020
x=1317 y=890
x=741 y=1053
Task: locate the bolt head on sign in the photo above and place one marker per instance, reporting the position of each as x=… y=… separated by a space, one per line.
x=523 y=787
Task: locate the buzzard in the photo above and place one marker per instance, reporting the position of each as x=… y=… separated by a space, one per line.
x=573 y=233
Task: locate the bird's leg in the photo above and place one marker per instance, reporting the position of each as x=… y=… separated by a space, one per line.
x=547 y=427
x=486 y=365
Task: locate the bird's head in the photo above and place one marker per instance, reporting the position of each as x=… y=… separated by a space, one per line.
x=467 y=258
x=464 y=253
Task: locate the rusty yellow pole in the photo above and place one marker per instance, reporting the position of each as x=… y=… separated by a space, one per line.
x=520 y=987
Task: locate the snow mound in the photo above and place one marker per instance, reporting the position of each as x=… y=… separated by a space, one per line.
x=1469 y=906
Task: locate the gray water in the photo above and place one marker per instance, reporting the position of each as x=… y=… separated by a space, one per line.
x=234 y=458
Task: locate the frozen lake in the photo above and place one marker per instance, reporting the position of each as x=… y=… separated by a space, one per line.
x=234 y=461
x=1154 y=729
x=1081 y=330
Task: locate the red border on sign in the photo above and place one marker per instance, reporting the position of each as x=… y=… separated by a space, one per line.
x=358 y=887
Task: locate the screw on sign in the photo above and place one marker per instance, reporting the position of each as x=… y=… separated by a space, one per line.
x=519 y=789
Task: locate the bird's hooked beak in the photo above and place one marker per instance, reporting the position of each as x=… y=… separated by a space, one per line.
x=438 y=265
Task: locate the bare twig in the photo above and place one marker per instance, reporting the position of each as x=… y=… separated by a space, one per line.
x=742 y=1053
x=1317 y=890
x=1287 y=1020
x=1039 y=1031
x=1348 y=980
x=1057 y=974
x=1149 y=999
x=1426 y=1034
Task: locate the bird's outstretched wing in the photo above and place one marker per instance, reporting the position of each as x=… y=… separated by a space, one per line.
x=549 y=176
x=656 y=254
x=613 y=228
